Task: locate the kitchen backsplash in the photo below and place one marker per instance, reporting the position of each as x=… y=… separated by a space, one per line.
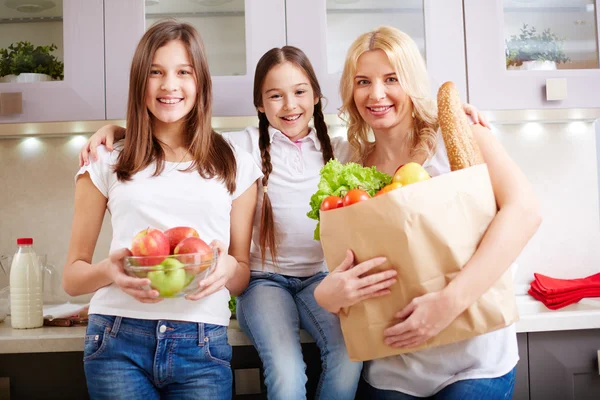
x=37 y=189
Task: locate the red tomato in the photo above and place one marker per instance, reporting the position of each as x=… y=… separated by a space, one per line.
x=355 y=196
x=331 y=202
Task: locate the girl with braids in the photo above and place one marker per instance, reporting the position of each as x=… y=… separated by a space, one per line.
x=286 y=263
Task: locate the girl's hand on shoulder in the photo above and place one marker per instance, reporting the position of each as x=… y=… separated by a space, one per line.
x=224 y=270
x=346 y=285
x=476 y=115
x=423 y=318
x=130 y=285
x=105 y=135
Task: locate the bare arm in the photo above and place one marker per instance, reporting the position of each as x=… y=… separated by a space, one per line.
x=515 y=223
x=517 y=220
x=80 y=275
x=242 y=217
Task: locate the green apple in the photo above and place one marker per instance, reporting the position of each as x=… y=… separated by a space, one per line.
x=189 y=278
x=169 y=278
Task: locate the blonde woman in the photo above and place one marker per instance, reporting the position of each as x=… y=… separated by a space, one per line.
x=385 y=90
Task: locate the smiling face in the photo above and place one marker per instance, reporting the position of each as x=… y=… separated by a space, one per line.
x=378 y=95
x=171 y=89
x=288 y=100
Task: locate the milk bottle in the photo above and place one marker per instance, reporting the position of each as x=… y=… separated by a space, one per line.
x=26 y=287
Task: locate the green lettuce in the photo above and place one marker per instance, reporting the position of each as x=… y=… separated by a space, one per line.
x=338 y=178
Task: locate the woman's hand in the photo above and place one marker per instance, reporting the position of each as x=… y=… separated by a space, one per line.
x=106 y=135
x=423 y=318
x=345 y=285
x=476 y=116
x=225 y=269
x=130 y=285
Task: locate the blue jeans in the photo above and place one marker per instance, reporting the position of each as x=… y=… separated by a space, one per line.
x=500 y=388
x=126 y=358
x=271 y=312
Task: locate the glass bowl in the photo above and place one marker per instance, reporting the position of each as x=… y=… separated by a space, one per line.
x=175 y=275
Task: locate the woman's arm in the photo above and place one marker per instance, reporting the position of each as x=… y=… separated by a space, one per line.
x=80 y=276
x=107 y=135
x=515 y=223
x=233 y=268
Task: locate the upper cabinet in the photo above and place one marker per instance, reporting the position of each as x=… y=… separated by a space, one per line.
x=532 y=54
x=51 y=60
x=236 y=33
x=435 y=25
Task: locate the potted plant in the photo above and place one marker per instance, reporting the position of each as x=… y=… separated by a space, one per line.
x=533 y=50
x=5 y=74
x=30 y=63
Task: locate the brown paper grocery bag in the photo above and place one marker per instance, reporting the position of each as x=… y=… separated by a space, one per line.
x=428 y=231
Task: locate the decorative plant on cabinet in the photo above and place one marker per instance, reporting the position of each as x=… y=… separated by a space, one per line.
x=24 y=62
x=531 y=50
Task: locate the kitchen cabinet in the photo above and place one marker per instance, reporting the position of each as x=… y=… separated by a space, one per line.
x=532 y=54
x=435 y=25
x=564 y=365
x=236 y=33
x=76 y=28
x=521 y=391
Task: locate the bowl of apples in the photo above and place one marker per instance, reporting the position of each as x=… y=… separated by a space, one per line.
x=174 y=260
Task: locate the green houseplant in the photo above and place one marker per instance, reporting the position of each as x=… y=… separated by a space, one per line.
x=24 y=57
x=530 y=45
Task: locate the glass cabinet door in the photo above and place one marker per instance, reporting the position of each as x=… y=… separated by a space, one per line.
x=52 y=55
x=335 y=24
x=236 y=33
x=533 y=53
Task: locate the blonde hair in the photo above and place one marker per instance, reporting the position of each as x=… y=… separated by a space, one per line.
x=405 y=58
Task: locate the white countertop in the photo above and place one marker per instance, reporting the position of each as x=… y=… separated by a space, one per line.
x=48 y=339
x=535 y=317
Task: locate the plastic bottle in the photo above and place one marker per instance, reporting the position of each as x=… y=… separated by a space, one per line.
x=26 y=287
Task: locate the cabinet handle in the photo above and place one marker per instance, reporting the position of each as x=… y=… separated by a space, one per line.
x=598 y=362
x=11 y=103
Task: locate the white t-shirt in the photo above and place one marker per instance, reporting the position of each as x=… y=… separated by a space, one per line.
x=295 y=177
x=174 y=198
x=426 y=372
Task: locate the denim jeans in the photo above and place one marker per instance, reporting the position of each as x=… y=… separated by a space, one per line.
x=126 y=358
x=271 y=312
x=500 y=388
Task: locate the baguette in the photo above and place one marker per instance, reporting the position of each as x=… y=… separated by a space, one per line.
x=462 y=149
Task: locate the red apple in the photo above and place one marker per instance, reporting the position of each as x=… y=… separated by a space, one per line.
x=177 y=234
x=151 y=243
x=194 y=246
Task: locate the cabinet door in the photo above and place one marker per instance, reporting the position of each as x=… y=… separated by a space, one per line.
x=532 y=54
x=435 y=25
x=236 y=33
x=76 y=29
x=564 y=365
x=522 y=379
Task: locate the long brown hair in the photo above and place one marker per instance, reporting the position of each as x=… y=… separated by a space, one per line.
x=404 y=56
x=270 y=59
x=211 y=154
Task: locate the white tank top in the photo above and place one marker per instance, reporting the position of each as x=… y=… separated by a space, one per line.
x=426 y=372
